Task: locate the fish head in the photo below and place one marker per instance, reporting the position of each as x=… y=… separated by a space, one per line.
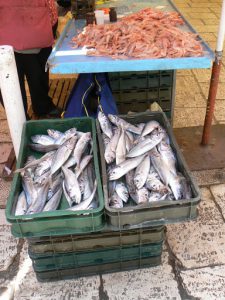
x=114 y=173
x=109 y=157
x=142 y=195
x=138 y=180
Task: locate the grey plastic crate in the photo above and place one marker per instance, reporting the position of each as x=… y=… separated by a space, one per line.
x=159 y=212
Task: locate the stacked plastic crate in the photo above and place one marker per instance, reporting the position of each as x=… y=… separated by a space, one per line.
x=63 y=243
x=136 y=91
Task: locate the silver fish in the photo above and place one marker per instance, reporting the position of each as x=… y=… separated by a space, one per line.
x=130 y=185
x=69 y=200
x=56 y=183
x=43 y=167
x=111 y=187
x=21 y=206
x=71 y=185
x=122 y=191
x=87 y=188
x=168 y=156
x=115 y=201
x=83 y=164
x=141 y=126
x=29 y=189
x=149 y=127
x=80 y=147
x=110 y=149
x=85 y=204
x=145 y=145
x=34 y=163
x=43 y=148
x=54 y=201
x=142 y=195
x=141 y=173
x=62 y=154
x=41 y=179
x=91 y=174
x=105 y=124
x=124 y=124
x=94 y=204
x=176 y=186
x=154 y=183
x=128 y=143
x=105 y=139
x=124 y=167
x=155 y=196
x=186 y=188
x=66 y=136
x=42 y=139
x=160 y=166
x=55 y=134
x=130 y=136
x=121 y=149
x=39 y=203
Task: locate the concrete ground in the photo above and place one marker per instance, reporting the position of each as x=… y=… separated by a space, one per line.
x=193 y=259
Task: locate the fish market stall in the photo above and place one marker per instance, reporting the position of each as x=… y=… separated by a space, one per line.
x=67 y=60
x=119 y=223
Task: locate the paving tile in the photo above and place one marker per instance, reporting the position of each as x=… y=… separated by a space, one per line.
x=210 y=21
x=150 y=283
x=190 y=101
x=211 y=37
x=5 y=150
x=199 y=15
x=82 y=288
x=220 y=92
x=206 y=28
x=187 y=85
x=4 y=132
x=208 y=177
x=219 y=112
x=5 y=189
x=180 y=73
x=218 y=192
x=187 y=117
x=205 y=283
x=8 y=244
x=199 y=243
x=2 y=113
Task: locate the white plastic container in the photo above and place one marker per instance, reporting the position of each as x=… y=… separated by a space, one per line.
x=99 y=15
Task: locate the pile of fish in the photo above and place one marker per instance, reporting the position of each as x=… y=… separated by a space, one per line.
x=149 y=33
x=141 y=164
x=66 y=168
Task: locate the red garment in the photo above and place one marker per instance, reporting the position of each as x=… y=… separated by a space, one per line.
x=53 y=11
x=27 y=24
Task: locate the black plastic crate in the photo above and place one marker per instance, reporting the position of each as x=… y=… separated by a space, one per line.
x=140 y=80
x=136 y=91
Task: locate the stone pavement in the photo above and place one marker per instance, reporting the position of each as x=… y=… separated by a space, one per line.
x=193 y=260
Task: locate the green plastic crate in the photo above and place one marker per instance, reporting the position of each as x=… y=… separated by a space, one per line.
x=81 y=259
x=158 y=212
x=96 y=241
x=61 y=221
x=98 y=269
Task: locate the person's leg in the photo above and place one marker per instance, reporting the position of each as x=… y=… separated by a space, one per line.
x=20 y=60
x=37 y=80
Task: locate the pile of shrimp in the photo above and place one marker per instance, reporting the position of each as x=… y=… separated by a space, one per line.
x=150 y=33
